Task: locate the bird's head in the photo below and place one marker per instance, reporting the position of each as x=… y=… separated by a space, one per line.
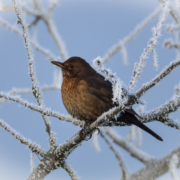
x=74 y=67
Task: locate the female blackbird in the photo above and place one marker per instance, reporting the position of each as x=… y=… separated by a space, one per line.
x=86 y=94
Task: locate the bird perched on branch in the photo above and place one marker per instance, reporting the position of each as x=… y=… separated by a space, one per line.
x=86 y=94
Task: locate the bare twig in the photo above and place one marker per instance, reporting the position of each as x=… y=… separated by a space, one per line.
x=33 y=146
x=32 y=161
x=70 y=171
x=35 y=87
x=40 y=172
x=158 y=78
x=116 y=48
x=16 y=91
x=133 y=150
x=156 y=168
x=44 y=111
x=173 y=166
x=119 y=158
x=33 y=23
x=150 y=46
x=95 y=142
x=47 y=18
x=36 y=45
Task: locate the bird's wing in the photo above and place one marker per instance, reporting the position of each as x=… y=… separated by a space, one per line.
x=99 y=88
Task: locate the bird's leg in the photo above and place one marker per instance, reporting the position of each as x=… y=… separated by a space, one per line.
x=81 y=134
x=83 y=130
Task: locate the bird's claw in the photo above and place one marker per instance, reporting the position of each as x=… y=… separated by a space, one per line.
x=98 y=130
x=83 y=137
x=81 y=134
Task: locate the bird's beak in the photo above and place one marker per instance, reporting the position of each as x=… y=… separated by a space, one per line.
x=57 y=63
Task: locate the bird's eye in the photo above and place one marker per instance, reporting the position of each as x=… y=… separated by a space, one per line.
x=71 y=66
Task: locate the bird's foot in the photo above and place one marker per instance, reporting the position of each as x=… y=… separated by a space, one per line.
x=98 y=130
x=83 y=137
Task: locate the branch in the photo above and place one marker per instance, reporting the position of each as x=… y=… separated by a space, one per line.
x=119 y=158
x=156 y=168
x=51 y=27
x=42 y=110
x=156 y=33
x=116 y=48
x=129 y=147
x=70 y=171
x=32 y=161
x=161 y=113
x=57 y=38
x=38 y=47
x=173 y=167
x=35 y=87
x=16 y=91
x=72 y=143
x=31 y=145
x=95 y=142
x=52 y=5
x=157 y=79
x=173 y=13
x=40 y=172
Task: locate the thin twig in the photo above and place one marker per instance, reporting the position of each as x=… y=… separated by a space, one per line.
x=44 y=111
x=16 y=91
x=129 y=147
x=119 y=158
x=70 y=171
x=116 y=48
x=31 y=145
x=156 y=168
x=35 y=87
x=156 y=33
x=36 y=45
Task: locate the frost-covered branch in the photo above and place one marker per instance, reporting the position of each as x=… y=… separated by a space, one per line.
x=118 y=157
x=129 y=147
x=161 y=113
x=16 y=91
x=57 y=38
x=155 y=57
x=40 y=172
x=156 y=168
x=95 y=142
x=35 y=44
x=177 y=93
x=47 y=18
x=32 y=161
x=31 y=145
x=170 y=44
x=35 y=86
x=52 y=5
x=116 y=48
x=135 y=135
x=156 y=33
x=158 y=78
x=174 y=13
x=173 y=166
x=42 y=110
x=70 y=171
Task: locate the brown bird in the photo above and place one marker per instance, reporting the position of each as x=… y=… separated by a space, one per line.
x=86 y=94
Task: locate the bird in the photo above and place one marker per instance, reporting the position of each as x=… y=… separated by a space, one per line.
x=87 y=95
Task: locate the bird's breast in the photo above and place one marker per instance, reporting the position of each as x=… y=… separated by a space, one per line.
x=75 y=101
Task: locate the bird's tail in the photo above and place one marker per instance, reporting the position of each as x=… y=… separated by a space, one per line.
x=129 y=117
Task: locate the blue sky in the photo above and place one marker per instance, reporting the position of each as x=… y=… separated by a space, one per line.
x=89 y=29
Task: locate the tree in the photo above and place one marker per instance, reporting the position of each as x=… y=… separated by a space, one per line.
x=56 y=156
